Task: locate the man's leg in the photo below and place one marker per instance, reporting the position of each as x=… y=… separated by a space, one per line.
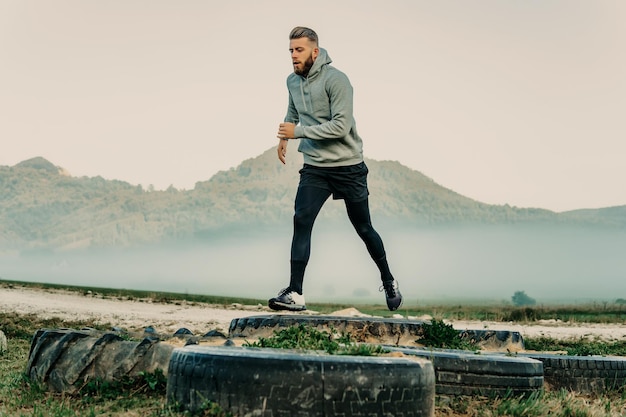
x=359 y=215
x=309 y=202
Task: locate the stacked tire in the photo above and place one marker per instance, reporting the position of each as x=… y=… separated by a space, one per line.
x=399 y=332
x=457 y=372
x=254 y=381
x=460 y=372
x=586 y=374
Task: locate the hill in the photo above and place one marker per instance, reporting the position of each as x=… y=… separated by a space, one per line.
x=608 y=216
x=43 y=207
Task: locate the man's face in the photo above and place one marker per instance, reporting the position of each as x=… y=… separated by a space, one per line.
x=303 y=54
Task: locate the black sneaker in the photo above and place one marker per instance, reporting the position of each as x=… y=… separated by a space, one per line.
x=392 y=294
x=287 y=299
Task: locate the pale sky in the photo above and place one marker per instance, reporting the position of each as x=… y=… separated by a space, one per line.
x=506 y=102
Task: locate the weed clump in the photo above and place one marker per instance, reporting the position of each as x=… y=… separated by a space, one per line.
x=309 y=338
x=438 y=334
x=147 y=383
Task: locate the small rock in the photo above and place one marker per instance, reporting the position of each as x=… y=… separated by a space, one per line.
x=349 y=312
x=3 y=342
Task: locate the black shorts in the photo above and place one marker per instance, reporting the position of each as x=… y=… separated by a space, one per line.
x=345 y=182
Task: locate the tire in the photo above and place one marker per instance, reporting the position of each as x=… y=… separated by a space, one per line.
x=372 y=330
x=276 y=382
x=585 y=374
x=494 y=340
x=467 y=373
x=399 y=332
x=64 y=360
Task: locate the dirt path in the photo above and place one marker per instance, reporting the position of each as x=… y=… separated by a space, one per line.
x=128 y=314
x=201 y=318
x=553 y=329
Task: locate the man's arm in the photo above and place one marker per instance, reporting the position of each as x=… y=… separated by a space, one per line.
x=292 y=115
x=284 y=132
x=282 y=150
x=341 y=105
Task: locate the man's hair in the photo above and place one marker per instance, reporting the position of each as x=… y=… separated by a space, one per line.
x=304 y=32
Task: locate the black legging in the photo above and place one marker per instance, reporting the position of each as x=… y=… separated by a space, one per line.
x=309 y=202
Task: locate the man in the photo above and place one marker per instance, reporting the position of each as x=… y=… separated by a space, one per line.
x=320 y=115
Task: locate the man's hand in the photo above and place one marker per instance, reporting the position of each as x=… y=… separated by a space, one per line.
x=286 y=131
x=282 y=150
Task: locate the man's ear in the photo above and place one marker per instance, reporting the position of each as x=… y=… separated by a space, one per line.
x=315 y=53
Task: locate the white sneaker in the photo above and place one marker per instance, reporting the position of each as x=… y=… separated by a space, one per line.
x=287 y=299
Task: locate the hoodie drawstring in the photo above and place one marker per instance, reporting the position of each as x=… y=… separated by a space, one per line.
x=302 y=94
x=306 y=108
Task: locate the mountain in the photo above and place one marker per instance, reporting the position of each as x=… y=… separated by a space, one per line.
x=43 y=207
x=609 y=216
x=41 y=164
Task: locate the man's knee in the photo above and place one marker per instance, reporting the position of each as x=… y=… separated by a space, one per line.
x=304 y=217
x=366 y=231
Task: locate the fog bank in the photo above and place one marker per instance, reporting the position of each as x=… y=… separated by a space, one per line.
x=571 y=264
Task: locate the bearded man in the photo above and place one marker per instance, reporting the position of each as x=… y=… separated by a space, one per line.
x=320 y=116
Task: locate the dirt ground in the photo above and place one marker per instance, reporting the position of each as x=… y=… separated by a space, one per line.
x=201 y=318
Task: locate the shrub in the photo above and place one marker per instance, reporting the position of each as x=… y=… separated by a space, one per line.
x=521 y=299
x=438 y=334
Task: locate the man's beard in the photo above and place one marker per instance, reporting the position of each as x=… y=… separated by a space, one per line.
x=307 y=67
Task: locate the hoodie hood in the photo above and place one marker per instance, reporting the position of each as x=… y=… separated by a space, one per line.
x=322 y=59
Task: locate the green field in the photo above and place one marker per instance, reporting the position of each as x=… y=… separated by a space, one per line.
x=145 y=396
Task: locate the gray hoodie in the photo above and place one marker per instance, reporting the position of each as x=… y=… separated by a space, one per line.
x=321 y=106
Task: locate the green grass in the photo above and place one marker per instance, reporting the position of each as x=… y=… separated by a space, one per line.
x=438 y=334
x=145 y=395
x=308 y=338
x=21 y=397
x=539 y=404
x=301 y=337
x=578 y=347
x=141 y=396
